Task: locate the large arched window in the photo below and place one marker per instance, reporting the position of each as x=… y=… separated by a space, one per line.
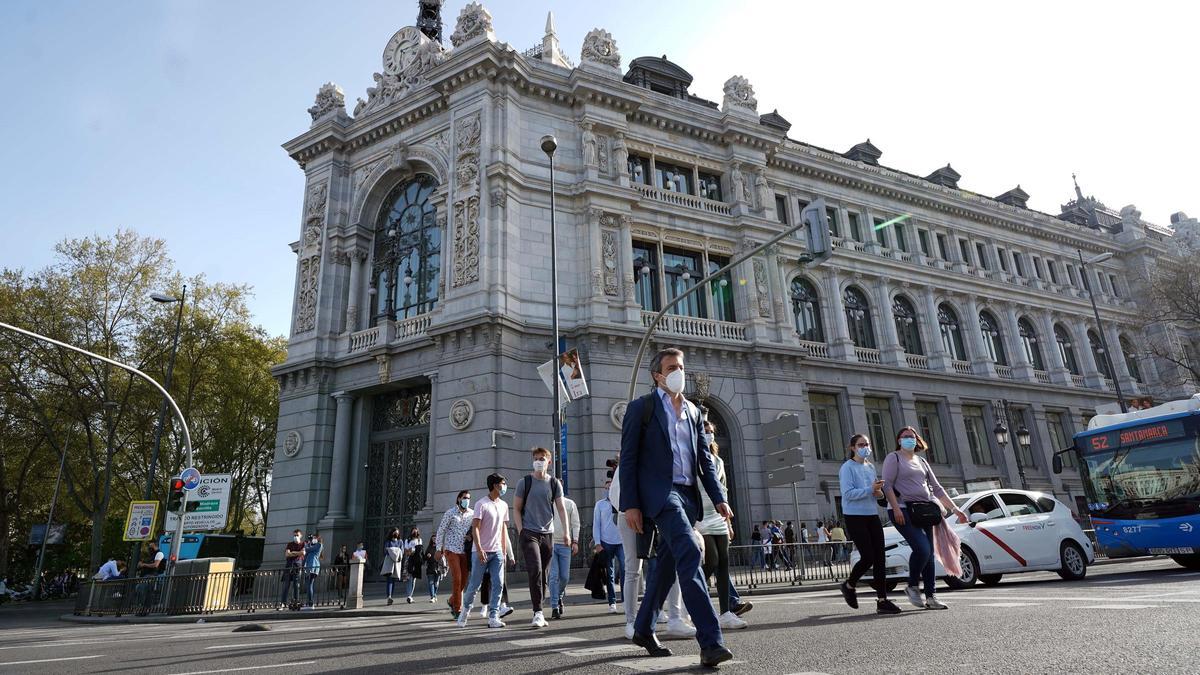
x=993 y=339
x=858 y=318
x=1098 y=354
x=807 y=310
x=908 y=331
x=407 y=267
x=1131 y=362
x=1065 y=349
x=1029 y=343
x=952 y=340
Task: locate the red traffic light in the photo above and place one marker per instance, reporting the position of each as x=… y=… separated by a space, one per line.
x=176 y=484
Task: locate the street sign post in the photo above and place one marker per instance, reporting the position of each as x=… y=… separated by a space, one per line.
x=140 y=520
x=191 y=478
x=207 y=505
x=784 y=463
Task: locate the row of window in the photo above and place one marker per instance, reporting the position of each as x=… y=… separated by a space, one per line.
x=674 y=178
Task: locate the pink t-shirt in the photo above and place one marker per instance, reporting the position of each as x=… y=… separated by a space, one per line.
x=492 y=515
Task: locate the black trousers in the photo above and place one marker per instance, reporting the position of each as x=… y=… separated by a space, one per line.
x=867 y=534
x=716 y=561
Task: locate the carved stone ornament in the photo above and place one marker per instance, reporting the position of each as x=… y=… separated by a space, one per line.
x=620 y=153
x=306 y=294
x=292 y=443
x=600 y=48
x=762 y=191
x=608 y=245
x=703 y=385
x=602 y=162
x=385 y=368
x=466 y=205
x=406 y=59
x=616 y=414
x=739 y=95
x=737 y=183
x=761 y=288
x=462 y=413
x=473 y=21
x=589 y=145
x=314 y=213
x=331 y=100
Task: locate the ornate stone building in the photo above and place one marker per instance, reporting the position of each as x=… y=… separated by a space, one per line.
x=422 y=301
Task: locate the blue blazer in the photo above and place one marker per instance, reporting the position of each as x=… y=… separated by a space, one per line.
x=646 y=465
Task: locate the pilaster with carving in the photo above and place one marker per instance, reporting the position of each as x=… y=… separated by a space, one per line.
x=308 y=277
x=467 y=132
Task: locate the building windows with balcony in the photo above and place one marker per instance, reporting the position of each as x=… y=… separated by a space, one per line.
x=645 y=263
x=720 y=290
x=982 y=256
x=673 y=178
x=781 y=214
x=406 y=270
x=710 y=186
x=680 y=271
x=1029 y=342
x=923 y=240
x=993 y=339
x=901 y=232
x=1065 y=349
x=806 y=309
x=943 y=247
x=1002 y=256
x=826 y=425
x=908 y=330
x=1019 y=264
x=639 y=169
x=858 y=318
x=951 y=332
x=663 y=273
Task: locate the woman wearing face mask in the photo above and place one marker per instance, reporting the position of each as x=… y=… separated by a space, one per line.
x=413 y=562
x=393 y=553
x=717 y=531
x=451 y=534
x=860 y=490
x=910 y=488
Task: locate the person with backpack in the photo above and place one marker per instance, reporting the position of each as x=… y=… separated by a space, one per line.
x=539 y=496
x=607 y=538
x=911 y=488
x=433 y=568
x=412 y=562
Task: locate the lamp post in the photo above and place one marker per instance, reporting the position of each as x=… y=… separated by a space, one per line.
x=549 y=145
x=1024 y=439
x=1099 y=328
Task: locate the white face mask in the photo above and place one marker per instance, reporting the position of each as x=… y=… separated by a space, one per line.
x=297 y=539
x=674 y=382
x=539 y=465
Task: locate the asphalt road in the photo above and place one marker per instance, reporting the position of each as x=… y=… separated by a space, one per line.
x=1130 y=617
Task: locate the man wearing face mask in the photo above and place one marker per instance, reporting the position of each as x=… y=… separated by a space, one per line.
x=607 y=538
x=664 y=463
x=489 y=529
x=539 y=497
x=293 y=557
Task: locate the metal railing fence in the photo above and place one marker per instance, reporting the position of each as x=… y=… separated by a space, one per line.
x=752 y=566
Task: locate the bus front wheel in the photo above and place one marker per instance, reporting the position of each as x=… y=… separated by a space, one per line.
x=1192 y=562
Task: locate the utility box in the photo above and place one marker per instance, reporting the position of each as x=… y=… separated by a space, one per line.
x=200 y=585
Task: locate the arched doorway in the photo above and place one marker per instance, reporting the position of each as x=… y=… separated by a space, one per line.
x=397 y=458
x=741 y=523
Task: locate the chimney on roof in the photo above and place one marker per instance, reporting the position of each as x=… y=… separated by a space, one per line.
x=1014 y=197
x=864 y=152
x=945 y=176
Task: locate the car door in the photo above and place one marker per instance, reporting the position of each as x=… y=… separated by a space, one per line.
x=988 y=539
x=1034 y=537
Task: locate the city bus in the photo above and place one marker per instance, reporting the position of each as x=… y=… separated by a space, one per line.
x=1141 y=475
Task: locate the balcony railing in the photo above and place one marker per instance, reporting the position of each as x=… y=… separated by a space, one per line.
x=917 y=361
x=389 y=331
x=1005 y=372
x=1078 y=381
x=961 y=367
x=364 y=339
x=689 y=326
x=817 y=350
x=1042 y=376
x=866 y=355
x=681 y=199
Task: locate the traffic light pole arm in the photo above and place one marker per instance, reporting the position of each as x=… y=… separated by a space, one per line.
x=637 y=361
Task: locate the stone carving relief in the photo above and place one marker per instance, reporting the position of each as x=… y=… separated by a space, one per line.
x=620 y=153
x=739 y=95
x=473 y=21
x=292 y=443
x=589 y=145
x=462 y=413
x=385 y=368
x=703 y=385
x=737 y=183
x=761 y=288
x=331 y=100
x=315 y=203
x=616 y=414
x=608 y=244
x=602 y=154
x=408 y=56
x=314 y=213
x=306 y=295
x=362 y=173
x=466 y=199
x=762 y=191
x=600 y=48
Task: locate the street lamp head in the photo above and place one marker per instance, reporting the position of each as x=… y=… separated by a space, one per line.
x=1099 y=258
x=1001 y=433
x=549 y=145
x=1024 y=437
x=162 y=297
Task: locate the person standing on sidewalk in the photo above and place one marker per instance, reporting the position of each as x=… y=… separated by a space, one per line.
x=313 y=551
x=489 y=530
x=412 y=562
x=560 y=564
x=717 y=531
x=663 y=466
x=393 y=554
x=789 y=538
x=452 y=532
x=433 y=568
x=607 y=537
x=293 y=561
x=861 y=489
x=756 y=554
x=539 y=498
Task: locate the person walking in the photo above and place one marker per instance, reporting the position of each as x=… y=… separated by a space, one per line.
x=453 y=532
x=412 y=562
x=341 y=568
x=489 y=529
x=663 y=466
x=313 y=551
x=837 y=535
x=539 y=497
x=861 y=489
x=393 y=555
x=789 y=540
x=607 y=537
x=560 y=563
x=717 y=531
x=433 y=568
x=756 y=553
x=293 y=562
x=911 y=488
x=768 y=546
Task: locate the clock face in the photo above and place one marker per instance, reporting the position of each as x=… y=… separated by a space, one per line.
x=402 y=49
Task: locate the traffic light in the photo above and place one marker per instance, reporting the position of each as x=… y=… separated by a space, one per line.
x=816 y=225
x=175 y=496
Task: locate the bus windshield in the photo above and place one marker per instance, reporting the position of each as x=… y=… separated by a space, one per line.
x=1153 y=480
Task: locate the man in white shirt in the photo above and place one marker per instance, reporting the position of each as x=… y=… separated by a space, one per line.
x=560 y=563
x=606 y=537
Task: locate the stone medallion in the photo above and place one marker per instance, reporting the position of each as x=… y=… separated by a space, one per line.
x=292 y=443
x=462 y=413
x=617 y=413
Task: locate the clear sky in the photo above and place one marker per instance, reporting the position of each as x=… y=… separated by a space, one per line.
x=167 y=116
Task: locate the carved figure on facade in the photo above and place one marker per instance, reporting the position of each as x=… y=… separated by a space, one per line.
x=473 y=21
x=630 y=294
x=739 y=95
x=620 y=151
x=408 y=56
x=737 y=183
x=292 y=443
x=385 y=368
x=599 y=47
x=703 y=386
x=314 y=213
x=762 y=289
x=608 y=245
x=589 y=145
x=616 y=414
x=602 y=154
x=462 y=413
x=331 y=100
x=762 y=191
x=362 y=173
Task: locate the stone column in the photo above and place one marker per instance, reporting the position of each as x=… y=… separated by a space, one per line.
x=628 y=274
x=357 y=258
x=339 y=469
x=840 y=345
x=889 y=346
x=1054 y=361
x=981 y=364
x=1022 y=367
x=1120 y=367
x=1087 y=360
x=938 y=358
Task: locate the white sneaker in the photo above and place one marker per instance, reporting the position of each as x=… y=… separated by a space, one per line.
x=612 y=609
x=462 y=617
x=662 y=617
x=433 y=600
x=628 y=631
x=483 y=612
x=495 y=623
x=680 y=630
x=539 y=621
x=914 y=596
x=505 y=610
x=729 y=620
x=933 y=603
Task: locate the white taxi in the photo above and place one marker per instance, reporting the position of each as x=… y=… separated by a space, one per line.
x=1010 y=531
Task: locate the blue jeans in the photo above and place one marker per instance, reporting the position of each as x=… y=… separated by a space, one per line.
x=756 y=557
x=493 y=566
x=311 y=577
x=391 y=585
x=560 y=574
x=679 y=556
x=409 y=585
x=432 y=581
x=291 y=582
x=615 y=571
x=920 y=540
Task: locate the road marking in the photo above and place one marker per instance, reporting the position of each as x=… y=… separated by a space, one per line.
x=245 y=668
x=664 y=664
x=1007 y=604
x=1122 y=607
x=546 y=641
x=65 y=658
x=263 y=644
x=602 y=650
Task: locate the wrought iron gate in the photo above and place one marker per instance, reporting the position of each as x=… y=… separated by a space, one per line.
x=397 y=461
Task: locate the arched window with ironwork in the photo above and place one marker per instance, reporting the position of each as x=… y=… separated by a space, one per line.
x=1131 y=361
x=993 y=339
x=1098 y=354
x=858 y=318
x=1029 y=342
x=407 y=266
x=806 y=307
x=951 y=330
x=1065 y=349
x=908 y=330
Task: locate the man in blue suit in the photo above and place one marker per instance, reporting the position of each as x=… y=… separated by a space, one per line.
x=665 y=461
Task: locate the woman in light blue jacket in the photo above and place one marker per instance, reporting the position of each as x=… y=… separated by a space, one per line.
x=860 y=490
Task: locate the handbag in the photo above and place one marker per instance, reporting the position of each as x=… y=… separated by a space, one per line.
x=924 y=514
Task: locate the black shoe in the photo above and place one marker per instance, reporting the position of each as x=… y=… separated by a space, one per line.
x=651 y=644
x=849 y=594
x=562 y=609
x=709 y=658
x=886 y=606
x=743 y=608
x=389 y=601
x=555 y=614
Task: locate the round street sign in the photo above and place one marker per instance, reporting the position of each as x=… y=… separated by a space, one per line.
x=190 y=477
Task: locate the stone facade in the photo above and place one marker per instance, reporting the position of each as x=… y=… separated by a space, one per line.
x=410 y=378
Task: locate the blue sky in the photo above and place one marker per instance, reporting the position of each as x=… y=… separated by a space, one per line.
x=166 y=117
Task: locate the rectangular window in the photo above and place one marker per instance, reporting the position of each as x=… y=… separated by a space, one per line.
x=639 y=169
x=943 y=247
x=981 y=255
x=880 y=233
x=1071 y=275
x=831 y=214
x=826 y=425
x=964 y=248
x=1056 y=426
x=977 y=435
x=1021 y=419
x=901 y=232
x=720 y=290
x=673 y=178
x=923 y=239
x=1037 y=266
x=879 y=421
x=855 y=223
x=1002 y=256
x=681 y=270
x=710 y=186
x=1018 y=264
x=930 y=424
x=1112 y=283
x=1051 y=268
x=645 y=269
x=781 y=213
